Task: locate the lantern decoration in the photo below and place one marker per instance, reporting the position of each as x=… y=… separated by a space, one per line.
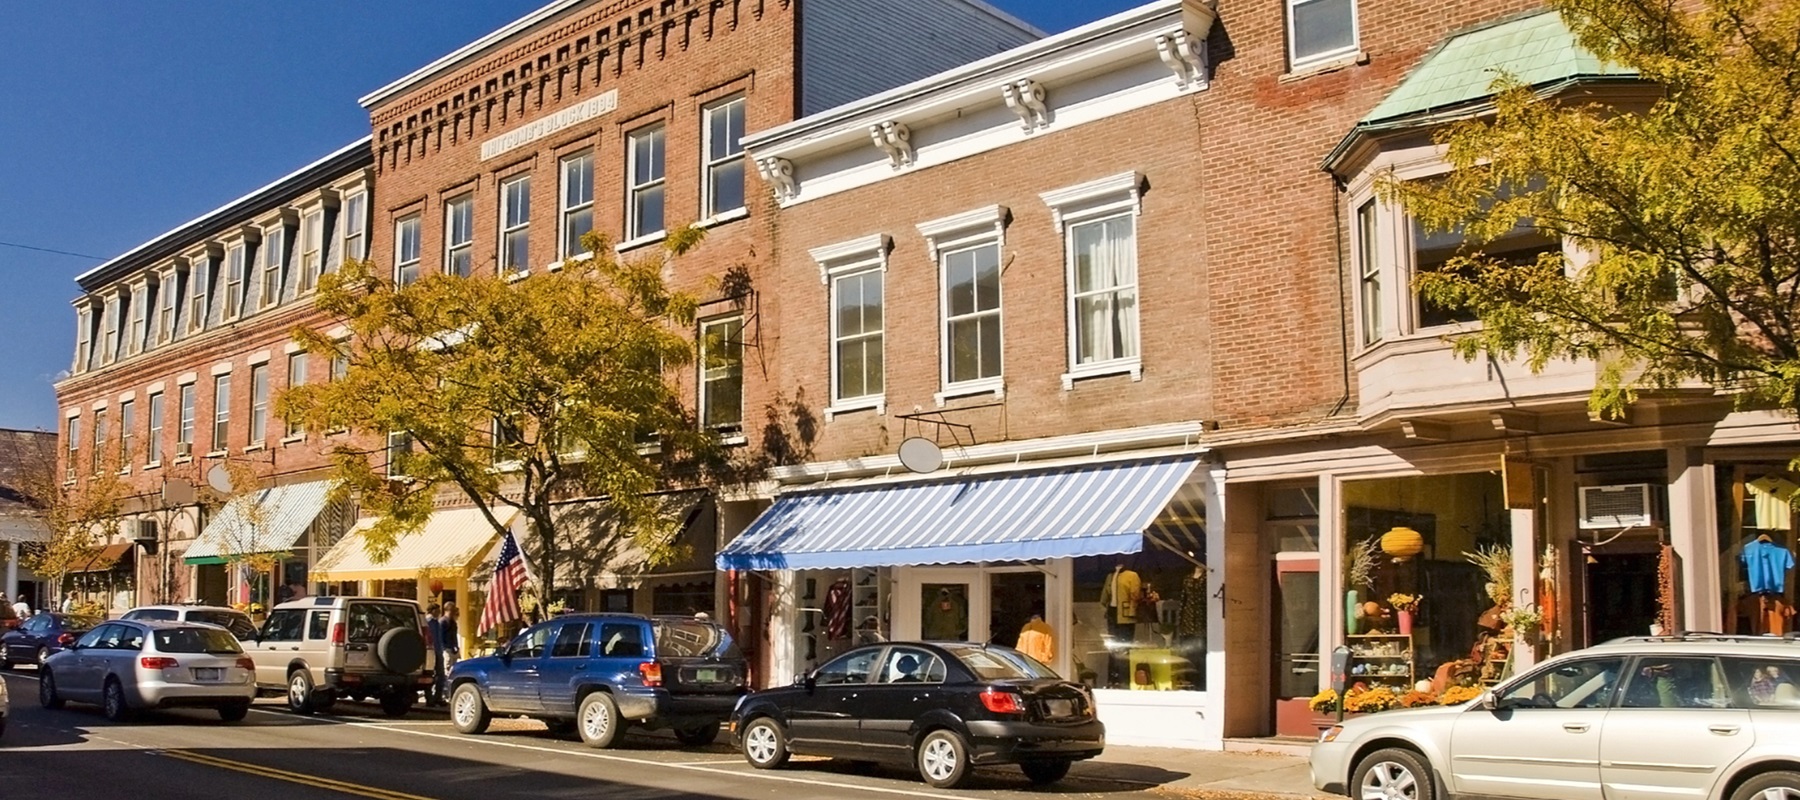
x=437 y=586
x=1402 y=543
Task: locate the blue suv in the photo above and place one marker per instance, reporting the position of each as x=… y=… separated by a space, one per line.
x=597 y=674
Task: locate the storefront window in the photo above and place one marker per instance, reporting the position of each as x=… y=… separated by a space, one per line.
x=682 y=599
x=1756 y=547
x=1140 y=621
x=840 y=609
x=1420 y=608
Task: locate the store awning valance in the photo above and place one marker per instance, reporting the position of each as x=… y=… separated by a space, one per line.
x=452 y=543
x=103 y=559
x=1096 y=509
x=269 y=520
x=19 y=528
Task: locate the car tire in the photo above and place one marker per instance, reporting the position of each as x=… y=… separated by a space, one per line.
x=598 y=721
x=764 y=744
x=396 y=703
x=301 y=698
x=1393 y=772
x=43 y=655
x=47 y=695
x=236 y=712
x=1045 y=772
x=401 y=651
x=1768 y=784
x=467 y=710
x=112 y=701
x=5 y=662
x=698 y=736
x=943 y=759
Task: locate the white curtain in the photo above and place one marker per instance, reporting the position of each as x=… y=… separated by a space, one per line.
x=1106 y=286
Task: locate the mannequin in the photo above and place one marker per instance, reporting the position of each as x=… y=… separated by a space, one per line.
x=946 y=617
x=1037 y=639
x=1120 y=594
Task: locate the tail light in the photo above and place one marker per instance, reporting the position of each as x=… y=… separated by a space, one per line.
x=337 y=633
x=1001 y=702
x=65 y=640
x=158 y=662
x=652 y=673
x=244 y=663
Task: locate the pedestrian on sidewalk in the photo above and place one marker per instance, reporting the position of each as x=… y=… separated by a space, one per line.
x=434 y=628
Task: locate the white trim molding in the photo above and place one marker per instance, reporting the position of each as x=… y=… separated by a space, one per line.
x=779 y=174
x=988 y=222
x=851 y=256
x=1185 y=55
x=186 y=378
x=221 y=368
x=894 y=139
x=259 y=358
x=1096 y=198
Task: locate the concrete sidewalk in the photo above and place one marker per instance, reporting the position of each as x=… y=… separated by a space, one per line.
x=1212 y=774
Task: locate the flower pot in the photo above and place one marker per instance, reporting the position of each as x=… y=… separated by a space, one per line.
x=1405 y=619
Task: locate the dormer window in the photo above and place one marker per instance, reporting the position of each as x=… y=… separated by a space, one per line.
x=274 y=246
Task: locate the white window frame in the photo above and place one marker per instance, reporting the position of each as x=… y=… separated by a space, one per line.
x=465 y=205
x=837 y=262
x=139 y=329
x=236 y=261
x=259 y=405
x=734 y=153
x=960 y=233
x=168 y=294
x=521 y=229
x=127 y=421
x=109 y=345
x=312 y=249
x=197 y=296
x=401 y=264
x=298 y=363
x=187 y=418
x=73 y=434
x=221 y=422
x=401 y=439
x=356 y=228
x=1367 y=252
x=1298 y=62
x=706 y=379
x=271 y=253
x=84 y=339
x=565 y=209
x=1085 y=203
x=635 y=143
x=154 y=408
x=100 y=434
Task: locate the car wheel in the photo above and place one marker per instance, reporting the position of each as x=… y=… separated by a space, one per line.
x=300 y=693
x=1042 y=772
x=1770 y=786
x=43 y=655
x=397 y=703
x=698 y=736
x=598 y=720
x=1393 y=774
x=765 y=744
x=112 y=701
x=235 y=712
x=401 y=650
x=944 y=759
x=467 y=712
x=47 y=696
x=5 y=662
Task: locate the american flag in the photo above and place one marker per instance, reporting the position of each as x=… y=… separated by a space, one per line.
x=503 y=593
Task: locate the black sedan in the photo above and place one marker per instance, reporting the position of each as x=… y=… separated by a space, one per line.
x=943 y=708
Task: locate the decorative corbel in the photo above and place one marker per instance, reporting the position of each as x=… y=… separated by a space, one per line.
x=895 y=139
x=1026 y=98
x=1185 y=56
x=779 y=174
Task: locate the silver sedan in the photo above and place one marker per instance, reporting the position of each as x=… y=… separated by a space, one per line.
x=127 y=665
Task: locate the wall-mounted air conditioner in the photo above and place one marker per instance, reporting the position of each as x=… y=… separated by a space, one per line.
x=1626 y=505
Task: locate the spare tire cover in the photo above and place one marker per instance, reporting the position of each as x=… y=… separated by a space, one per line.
x=401 y=650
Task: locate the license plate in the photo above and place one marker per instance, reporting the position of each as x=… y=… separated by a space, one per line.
x=209 y=673
x=1060 y=708
x=706 y=675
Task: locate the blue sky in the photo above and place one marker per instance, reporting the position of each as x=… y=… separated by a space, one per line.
x=124 y=119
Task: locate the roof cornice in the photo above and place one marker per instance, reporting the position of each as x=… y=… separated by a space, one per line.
x=469 y=51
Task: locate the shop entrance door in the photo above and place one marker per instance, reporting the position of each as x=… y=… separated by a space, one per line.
x=1296 y=636
x=1621 y=595
x=1013 y=599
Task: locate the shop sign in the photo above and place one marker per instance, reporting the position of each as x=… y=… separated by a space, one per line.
x=561 y=120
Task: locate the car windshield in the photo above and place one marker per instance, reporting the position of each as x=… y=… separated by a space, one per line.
x=368 y=621
x=679 y=638
x=239 y=624
x=195 y=640
x=999 y=664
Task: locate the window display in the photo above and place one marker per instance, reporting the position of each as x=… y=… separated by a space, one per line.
x=1140 y=621
x=1757 y=543
x=840 y=609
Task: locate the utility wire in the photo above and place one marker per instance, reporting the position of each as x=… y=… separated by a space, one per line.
x=48 y=250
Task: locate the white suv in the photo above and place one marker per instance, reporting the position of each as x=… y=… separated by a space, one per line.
x=230 y=619
x=318 y=649
x=1701 y=716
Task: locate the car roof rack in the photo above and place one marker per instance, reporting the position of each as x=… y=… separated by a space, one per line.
x=1709 y=636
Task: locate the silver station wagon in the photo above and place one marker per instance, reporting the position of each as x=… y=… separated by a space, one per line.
x=1701 y=716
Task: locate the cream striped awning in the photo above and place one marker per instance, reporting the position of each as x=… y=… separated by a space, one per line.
x=452 y=543
x=269 y=520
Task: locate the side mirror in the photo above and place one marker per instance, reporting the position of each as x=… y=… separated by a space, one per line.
x=800 y=679
x=1487 y=701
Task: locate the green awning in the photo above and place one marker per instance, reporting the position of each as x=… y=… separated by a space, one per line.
x=203 y=561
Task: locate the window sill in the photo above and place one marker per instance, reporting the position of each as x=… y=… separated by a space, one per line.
x=878 y=403
x=1133 y=367
x=184 y=460
x=641 y=241
x=217 y=454
x=124 y=472
x=732 y=436
x=720 y=219
x=558 y=265
x=150 y=465
x=1319 y=66
x=516 y=275
x=993 y=386
x=255 y=447
x=648 y=450
x=296 y=439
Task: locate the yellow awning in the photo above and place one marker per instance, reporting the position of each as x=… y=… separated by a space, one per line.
x=453 y=543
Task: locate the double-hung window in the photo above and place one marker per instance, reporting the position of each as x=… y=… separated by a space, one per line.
x=722 y=373
x=399 y=449
x=184 y=426
x=153 y=448
x=127 y=432
x=234 y=280
x=312 y=249
x=967 y=249
x=274 y=249
x=98 y=453
x=356 y=227
x=296 y=376
x=1319 y=30
x=109 y=343
x=1432 y=251
x=84 y=339
x=459 y=236
x=1368 y=268
x=259 y=404
x=221 y=429
x=1098 y=221
x=724 y=184
x=197 y=295
x=515 y=224
x=72 y=463
x=169 y=295
x=645 y=179
x=134 y=341
x=406 y=250
x=577 y=202
x=855 y=272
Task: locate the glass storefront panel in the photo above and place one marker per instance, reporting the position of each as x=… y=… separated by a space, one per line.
x=1757 y=540
x=1140 y=621
x=840 y=609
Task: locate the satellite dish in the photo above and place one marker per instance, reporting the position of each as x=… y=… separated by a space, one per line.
x=921 y=455
x=219 y=479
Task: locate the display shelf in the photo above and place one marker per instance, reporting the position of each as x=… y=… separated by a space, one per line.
x=1382 y=658
x=868 y=593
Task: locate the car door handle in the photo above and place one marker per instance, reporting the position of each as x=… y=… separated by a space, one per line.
x=1724 y=730
x=1575 y=727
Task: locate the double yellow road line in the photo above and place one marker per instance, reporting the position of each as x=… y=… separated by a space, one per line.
x=290 y=777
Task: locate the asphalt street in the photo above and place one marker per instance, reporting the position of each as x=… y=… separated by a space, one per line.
x=76 y=753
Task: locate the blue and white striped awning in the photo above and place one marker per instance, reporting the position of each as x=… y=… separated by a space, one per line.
x=1097 y=509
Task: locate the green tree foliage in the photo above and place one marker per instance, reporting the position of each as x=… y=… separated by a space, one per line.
x=1684 y=207
x=517 y=394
